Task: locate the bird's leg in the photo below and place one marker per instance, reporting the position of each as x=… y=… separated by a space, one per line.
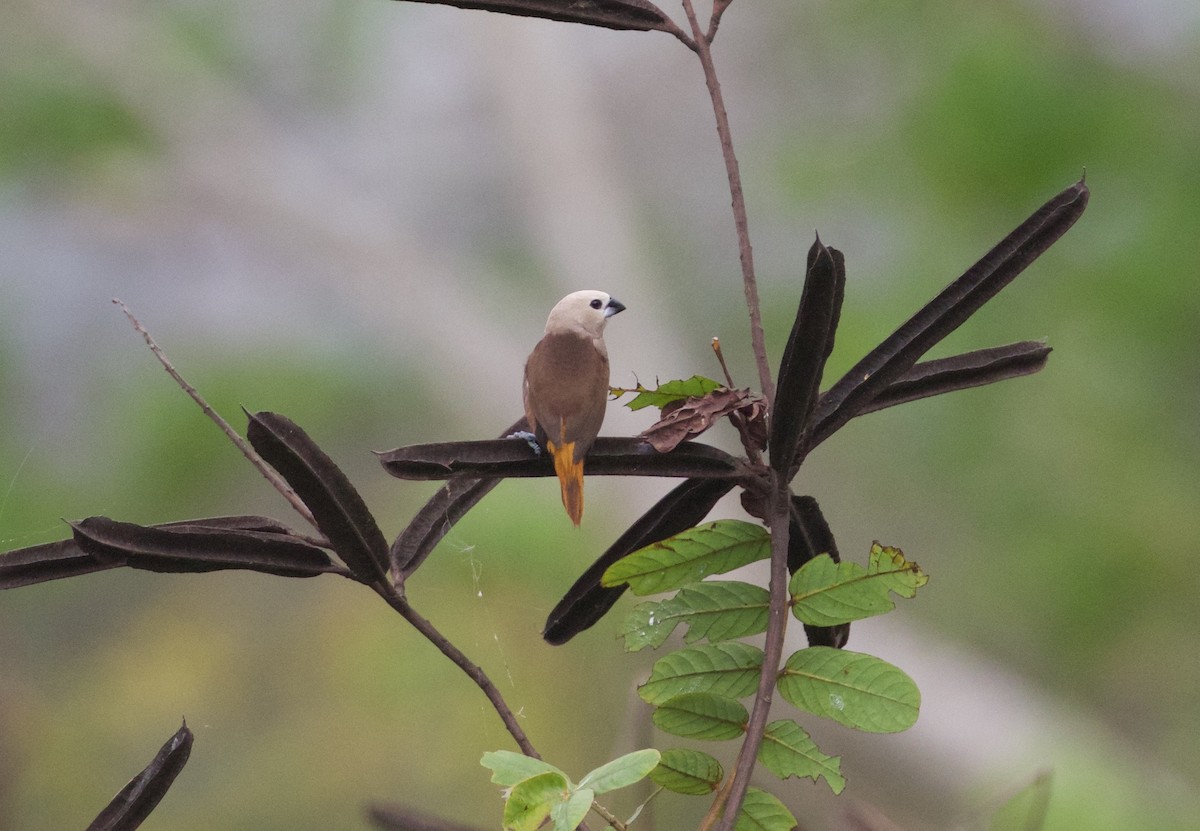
x=529 y=439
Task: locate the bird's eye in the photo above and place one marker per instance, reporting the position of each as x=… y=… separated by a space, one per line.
x=596 y=304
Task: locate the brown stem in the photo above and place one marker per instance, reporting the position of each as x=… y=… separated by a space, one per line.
x=740 y=222
x=719 y=7
x=266 y=470
x=473 y=671
x=779 y=506
x=714 y=810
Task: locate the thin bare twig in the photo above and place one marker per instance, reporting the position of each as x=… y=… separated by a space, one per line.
x=718 y=9
x=609 y=817
x=265 y=469
x=680 y=34
x=716 y=347
x=741 y=224
x=460 y=660
x=718 y=805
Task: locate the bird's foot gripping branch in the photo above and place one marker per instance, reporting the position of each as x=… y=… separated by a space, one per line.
x=697 y=691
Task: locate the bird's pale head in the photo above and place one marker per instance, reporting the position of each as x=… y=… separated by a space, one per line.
x=584 y=312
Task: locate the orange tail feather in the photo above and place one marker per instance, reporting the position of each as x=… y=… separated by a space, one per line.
x=570 y=478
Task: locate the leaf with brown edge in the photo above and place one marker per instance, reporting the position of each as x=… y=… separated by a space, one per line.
x=896 y=355
x=667 y=393
x=689 y=418
x=587 y=601
x=64 y=558
x=130 y=807
x=515 y=458
x=808 y=347
x=338 y=509
x=186 y=548
x=638 y=15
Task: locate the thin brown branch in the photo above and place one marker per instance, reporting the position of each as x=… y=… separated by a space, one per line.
x=741 y=224
x=780 y=508
x=718 y=9
x=718 y=805
x=456 y=656
x=266 y=470
x=716 y=347
x=609 y=817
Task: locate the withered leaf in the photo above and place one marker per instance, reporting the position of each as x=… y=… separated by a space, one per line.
x=688 y=418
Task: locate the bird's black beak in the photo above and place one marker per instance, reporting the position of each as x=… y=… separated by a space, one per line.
x=614 y=306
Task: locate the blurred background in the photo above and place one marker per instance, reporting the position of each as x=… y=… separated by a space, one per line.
x=358 y=213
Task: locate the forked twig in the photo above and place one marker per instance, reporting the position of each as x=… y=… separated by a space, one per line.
x=266 y=470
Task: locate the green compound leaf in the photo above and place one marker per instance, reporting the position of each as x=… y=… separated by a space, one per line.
x=690 y=556
x=854 y=689
x=728 y=669
x=787 y=750
x=687 y=772
x=567 y=815
x=716 y=610
x=530 y=802
x=701 y=716
x=509 y=768
x=621 y=772
x=694 y=387
x=825 y=593
x=763 y=812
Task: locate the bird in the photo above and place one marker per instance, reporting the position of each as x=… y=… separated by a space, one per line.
x=566 y=387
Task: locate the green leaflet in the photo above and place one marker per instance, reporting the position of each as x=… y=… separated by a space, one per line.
x=693 y=387
x=690 y=556
x=687 y=772
x=621 y=772
x=715 y=610
x=540 y=791
x=728 y=669
x=568 y=813
x=531 y=801
x=854 y=689
x=787 y=750
x=701 y=716
x=825 y=593
x=508 y=768
x=763 y=812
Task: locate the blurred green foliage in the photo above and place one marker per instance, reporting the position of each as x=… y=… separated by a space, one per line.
x=915 y=135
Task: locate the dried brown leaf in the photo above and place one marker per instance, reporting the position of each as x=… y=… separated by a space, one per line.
x=686 y=419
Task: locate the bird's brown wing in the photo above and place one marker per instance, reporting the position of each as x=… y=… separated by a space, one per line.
x=566 y=390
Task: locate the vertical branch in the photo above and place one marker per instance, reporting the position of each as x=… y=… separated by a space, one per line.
x=745 y=253
x=780 y=512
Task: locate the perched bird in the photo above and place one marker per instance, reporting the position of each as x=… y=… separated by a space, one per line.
x=566 y=386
